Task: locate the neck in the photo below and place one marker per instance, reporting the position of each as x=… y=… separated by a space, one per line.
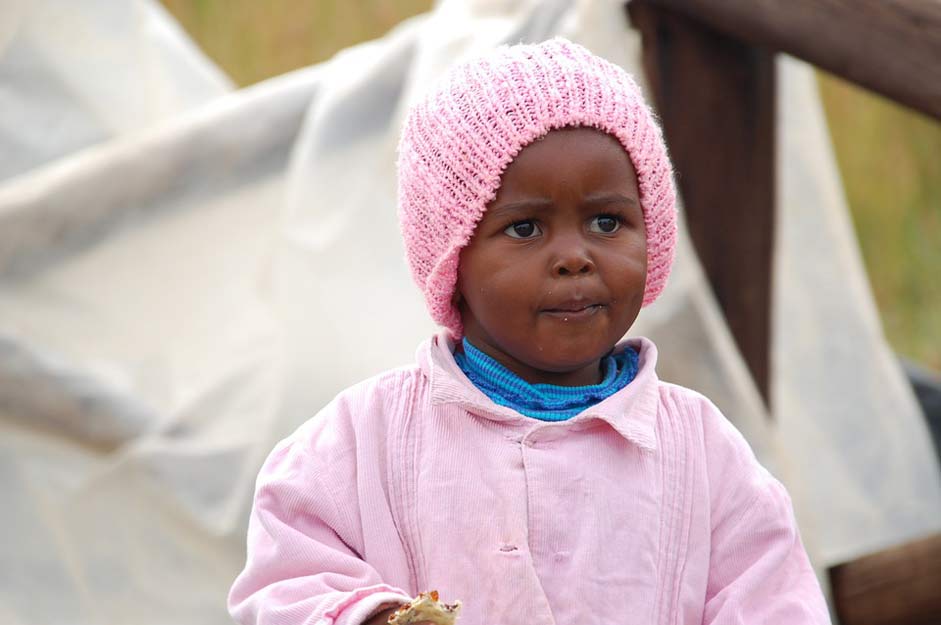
x=582 y=375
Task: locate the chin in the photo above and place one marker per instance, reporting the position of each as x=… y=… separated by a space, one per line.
x=568 y=360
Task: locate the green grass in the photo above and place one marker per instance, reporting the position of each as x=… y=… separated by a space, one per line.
x=253 y=40
x=890 y=158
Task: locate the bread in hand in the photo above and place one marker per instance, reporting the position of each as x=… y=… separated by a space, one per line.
x=425 y=608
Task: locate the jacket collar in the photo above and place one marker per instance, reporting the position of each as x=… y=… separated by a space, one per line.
x=632 y=411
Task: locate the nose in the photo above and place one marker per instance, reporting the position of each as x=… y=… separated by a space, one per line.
x=571 y=258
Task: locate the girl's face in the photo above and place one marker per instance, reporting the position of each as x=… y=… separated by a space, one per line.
x=555 y=272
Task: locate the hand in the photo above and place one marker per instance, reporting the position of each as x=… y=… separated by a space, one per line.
x=383 y=617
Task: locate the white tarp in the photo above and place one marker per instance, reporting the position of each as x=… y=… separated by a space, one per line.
x=74 y=73
x=176 y=299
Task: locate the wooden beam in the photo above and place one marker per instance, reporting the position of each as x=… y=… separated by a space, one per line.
x=899 y=586
x=892 y=47
x=715 y=97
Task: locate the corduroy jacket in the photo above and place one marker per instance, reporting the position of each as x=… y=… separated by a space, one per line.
x=647 y=508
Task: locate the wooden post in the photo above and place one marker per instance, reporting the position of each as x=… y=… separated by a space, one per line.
x=890 y=46
x=715 y=95
x=716 y=99
x=899 y=586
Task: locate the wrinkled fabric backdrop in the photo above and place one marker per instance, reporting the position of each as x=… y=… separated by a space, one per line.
x=188 y=272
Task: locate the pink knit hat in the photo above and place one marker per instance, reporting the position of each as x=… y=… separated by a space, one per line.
x=459 y=139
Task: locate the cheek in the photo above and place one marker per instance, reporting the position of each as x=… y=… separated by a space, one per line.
x=629 y=277
x=636 y=260
x=632 y=251
x=495 y=293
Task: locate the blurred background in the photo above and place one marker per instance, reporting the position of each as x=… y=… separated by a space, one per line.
x=185 y=277
x=889 y=156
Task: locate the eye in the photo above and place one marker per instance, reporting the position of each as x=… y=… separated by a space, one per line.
x=523 y=230
x=605 y=224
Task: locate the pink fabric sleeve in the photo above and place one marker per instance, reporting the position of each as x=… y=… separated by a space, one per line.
x=759 y=571
x=300 y=567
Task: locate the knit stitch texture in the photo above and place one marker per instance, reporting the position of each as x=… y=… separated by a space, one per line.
x=546 y=402
x=458 y=140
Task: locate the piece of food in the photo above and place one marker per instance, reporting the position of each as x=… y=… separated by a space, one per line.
x=425 y=608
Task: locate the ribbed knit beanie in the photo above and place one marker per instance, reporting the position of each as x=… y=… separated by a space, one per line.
x=457 y=142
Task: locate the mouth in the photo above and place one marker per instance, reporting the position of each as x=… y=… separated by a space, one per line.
x=573 y=311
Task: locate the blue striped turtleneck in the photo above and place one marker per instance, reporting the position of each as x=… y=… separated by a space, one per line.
x=546 y=402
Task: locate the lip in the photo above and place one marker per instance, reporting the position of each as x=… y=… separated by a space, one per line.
x=575 y=310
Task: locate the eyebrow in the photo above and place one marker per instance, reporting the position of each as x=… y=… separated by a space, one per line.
x=610 y=198
x=538 y=204
x=523 y=206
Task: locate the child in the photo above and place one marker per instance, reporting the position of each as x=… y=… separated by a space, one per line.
x=529 y=464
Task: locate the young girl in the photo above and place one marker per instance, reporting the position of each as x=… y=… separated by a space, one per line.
x=529 y=464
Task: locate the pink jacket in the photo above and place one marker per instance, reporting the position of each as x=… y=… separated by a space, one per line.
x=649 y=508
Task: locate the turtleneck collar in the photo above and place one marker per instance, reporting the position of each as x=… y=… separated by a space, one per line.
x=546 y=402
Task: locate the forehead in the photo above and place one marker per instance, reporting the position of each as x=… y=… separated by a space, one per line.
x=569 y=160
